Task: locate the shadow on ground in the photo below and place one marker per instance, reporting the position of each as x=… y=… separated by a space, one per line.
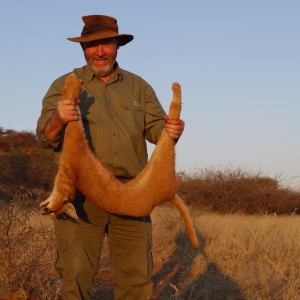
x=189 y=274
x=186 y=274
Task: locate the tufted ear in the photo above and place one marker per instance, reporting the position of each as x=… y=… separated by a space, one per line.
x=67 y=208
x=70 y=210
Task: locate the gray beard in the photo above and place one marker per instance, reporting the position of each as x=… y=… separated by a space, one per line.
x=104 y=72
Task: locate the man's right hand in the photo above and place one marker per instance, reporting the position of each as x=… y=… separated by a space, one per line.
x=66 y=111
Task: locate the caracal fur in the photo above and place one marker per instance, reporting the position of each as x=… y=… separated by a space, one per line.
x=79 y=169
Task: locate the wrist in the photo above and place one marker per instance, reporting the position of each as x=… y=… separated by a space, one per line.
x=54 y=126
x=58 y=119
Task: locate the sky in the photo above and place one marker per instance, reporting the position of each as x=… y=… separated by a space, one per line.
x=237 y=61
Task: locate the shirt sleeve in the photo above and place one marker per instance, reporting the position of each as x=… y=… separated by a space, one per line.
x=48 y=108
x=154 y=116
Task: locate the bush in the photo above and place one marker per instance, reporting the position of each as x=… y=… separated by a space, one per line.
x=12 y=140
x=23 y=164
x=26 y=254
x=34 y=170
x=236 y=190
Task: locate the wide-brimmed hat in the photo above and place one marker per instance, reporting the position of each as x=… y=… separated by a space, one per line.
x=98 y=27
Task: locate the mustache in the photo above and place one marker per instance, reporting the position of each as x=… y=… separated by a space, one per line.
x=103 y=57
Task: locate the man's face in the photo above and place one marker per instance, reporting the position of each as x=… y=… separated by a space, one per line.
x=101 y=55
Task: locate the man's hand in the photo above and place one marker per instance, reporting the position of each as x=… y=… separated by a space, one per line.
x=174 y=128
x=67 y=111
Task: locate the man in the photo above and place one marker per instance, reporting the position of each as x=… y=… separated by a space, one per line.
x=120 y=111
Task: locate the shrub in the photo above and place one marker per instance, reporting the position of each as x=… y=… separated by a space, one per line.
x=26 y=253
x=12 y=140
x=236 y=190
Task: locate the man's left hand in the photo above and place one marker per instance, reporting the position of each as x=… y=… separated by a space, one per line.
x=174 y=128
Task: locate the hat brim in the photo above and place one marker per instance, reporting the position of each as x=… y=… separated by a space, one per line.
x=123 y=38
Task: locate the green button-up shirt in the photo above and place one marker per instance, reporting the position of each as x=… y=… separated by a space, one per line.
x=118 y=117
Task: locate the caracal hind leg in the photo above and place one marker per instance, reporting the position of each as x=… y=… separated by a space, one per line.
x=175 y=106
x=159 y=172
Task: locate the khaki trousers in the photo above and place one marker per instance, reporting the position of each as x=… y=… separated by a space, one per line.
x=78 y=244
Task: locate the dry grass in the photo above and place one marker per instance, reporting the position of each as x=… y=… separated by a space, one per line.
x=26 y=254
x=240 y=257
x=251 y=254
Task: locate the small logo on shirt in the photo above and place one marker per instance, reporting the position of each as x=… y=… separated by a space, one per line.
x=136 y=103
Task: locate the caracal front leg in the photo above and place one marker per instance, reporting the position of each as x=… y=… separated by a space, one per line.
x=63 y=192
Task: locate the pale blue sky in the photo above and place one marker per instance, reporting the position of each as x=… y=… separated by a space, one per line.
x=238 y=63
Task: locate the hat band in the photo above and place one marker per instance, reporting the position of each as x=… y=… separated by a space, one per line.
x=100 y=31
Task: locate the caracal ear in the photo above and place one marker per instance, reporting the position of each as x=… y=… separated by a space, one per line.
x=69 y=209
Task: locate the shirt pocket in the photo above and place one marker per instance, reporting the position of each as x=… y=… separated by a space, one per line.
x=132 y=115
x=133 y=105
